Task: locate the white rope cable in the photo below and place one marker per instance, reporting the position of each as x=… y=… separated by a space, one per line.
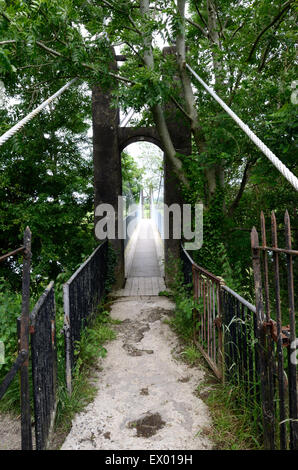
x=270 y=155
x=127 y=118
x=33 y=113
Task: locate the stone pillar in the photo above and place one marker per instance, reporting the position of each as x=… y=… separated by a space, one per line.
x=107 y=165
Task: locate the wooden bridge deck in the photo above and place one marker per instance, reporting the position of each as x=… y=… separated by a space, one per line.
x=144 y=265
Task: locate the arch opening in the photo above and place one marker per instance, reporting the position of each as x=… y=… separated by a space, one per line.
x=143 y=190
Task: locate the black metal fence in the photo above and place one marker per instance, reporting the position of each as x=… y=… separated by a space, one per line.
x=44 y=365
x=240 y=352
x=82 y=294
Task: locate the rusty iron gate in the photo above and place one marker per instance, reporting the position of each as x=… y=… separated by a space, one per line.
x=250 y=345
x=277 y=342
x=22 y=362
x=207 y=317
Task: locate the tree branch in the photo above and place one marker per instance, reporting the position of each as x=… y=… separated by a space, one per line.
x=199 y=27
x=123 y=12
x=236 y=30
x=58 y=54
x=180 y=107
x=200 y=15
x=90 y=67
x=265 y=55
x=219 y=21
x=245 y=177
x=285 y=8
x=9 y=41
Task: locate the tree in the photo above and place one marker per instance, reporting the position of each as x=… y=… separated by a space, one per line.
x=245 y=49
x=46 y=183
x=131 y=177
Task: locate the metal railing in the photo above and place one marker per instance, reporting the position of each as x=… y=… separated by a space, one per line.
x=207 y=330
x=82 y=294
x=248 y=345
x=44 y=365
x=277 y=343
x=224 y=331
x=240 y=353
x=22 y=362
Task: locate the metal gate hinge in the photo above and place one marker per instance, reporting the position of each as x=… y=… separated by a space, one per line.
x=285 y=332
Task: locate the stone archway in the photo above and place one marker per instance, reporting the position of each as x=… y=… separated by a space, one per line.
x=109 y=140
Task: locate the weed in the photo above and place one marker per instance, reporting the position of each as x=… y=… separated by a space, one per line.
x=191 y=355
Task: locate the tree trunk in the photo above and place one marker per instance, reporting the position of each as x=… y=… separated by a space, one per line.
x=156 y=109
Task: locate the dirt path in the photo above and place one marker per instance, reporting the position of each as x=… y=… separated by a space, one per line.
x=10 y=432
x=145 y=396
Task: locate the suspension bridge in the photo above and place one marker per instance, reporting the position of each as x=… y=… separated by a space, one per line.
x=225 y=325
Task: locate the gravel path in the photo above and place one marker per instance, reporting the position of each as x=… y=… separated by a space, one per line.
x=10 y=432
x=145 y=397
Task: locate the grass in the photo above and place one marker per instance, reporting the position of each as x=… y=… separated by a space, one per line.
x=191 y=355
x=232 y=427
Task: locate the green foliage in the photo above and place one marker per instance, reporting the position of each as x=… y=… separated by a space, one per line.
x=191 y=355
x=45 y=174
x=233 y=427
x=10 y=310
x=183 y=319
x=131 y=176
x=252 y=67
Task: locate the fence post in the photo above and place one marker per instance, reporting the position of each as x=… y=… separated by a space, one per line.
x=267 y=406
x=292 y=347
x=219 y=325
x=24 y=345
x=68 y=361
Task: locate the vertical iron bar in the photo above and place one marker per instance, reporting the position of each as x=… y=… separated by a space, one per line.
x=268 y=419
x=280 y=358
x=244 y=350
x=220 y=350
x=208 y=317
x=26 y=430
x=269 y=348
x=292 y=346
x=204 y=329
x=213 y=322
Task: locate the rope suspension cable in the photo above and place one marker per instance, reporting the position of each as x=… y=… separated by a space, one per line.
x=270 y=155
x=127 y=118
x=33 y=113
